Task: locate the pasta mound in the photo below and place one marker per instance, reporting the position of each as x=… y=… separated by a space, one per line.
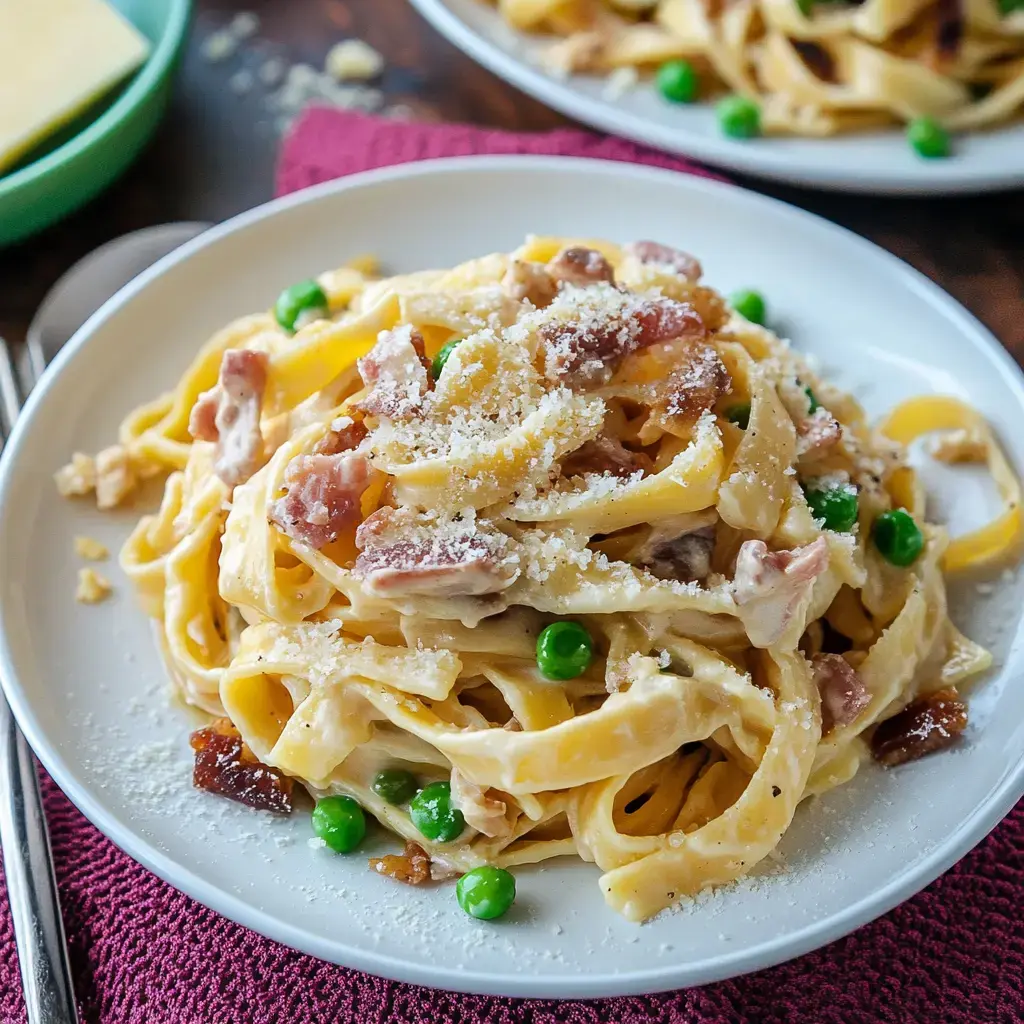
x=840 y=67
x=356 y=561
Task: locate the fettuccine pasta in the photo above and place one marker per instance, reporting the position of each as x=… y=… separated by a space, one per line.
x=558 y=535
x=815 y=67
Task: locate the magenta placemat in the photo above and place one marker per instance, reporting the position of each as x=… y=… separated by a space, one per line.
x=144 y=953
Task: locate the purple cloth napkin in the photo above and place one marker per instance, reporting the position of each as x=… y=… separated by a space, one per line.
x=144 y=953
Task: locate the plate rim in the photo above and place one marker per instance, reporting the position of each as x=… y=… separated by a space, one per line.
x=741 y=157
x=723 y=965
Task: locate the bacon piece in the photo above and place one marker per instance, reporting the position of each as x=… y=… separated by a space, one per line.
x=817 y=435
x=768 y=586
x=202 y=420
x=412 y=867
x=529 y=281
x=229 y=414
x=604 y=454
x=686 y=557
x=665 y=255
x=405 y=554
x=843 y=694
x=226 y=766
x=398 y=369
x=323 y=497
x=587 y=354
x=482 y=812
x=694 y=387
x=929 y=723
x=344 y=435
x=579 y=267
x=667 y=320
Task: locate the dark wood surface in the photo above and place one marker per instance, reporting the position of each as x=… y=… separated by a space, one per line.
x=214 y=156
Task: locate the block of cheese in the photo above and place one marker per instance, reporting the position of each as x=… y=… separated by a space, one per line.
x=56 y=58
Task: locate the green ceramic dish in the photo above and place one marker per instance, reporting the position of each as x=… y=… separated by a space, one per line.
x=85 y=157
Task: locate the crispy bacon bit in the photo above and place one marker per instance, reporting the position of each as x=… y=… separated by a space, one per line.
x=344 y=435
x=531 y=282
x=411 y=867
x=666 y=256
x=230 y=414
x=605 y=454
x=694 y=387
x=587 y=354
x=398 y=369
x=817 y=435
x=580 y=267
x=225 y=765
x=482 y=812
x=322 y=497
x=768 y=586
x=686 y=557
x=928 y=724
x=843 y=694
x=404 y=554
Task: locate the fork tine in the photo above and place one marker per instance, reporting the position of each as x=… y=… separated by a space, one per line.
x=10 y=398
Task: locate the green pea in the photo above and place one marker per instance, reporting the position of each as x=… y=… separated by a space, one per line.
x=837 y=506
x=339 y=821
x=434 y=814
x=677 y=81
x=564 y=650
x=395 y=785
x=750 y=305
x=928 y=138
x=813 y=404
x=739 y=414
x=806 y=7
x=897 y=537
x=739 y=117
x=1010 y=6
x=486 y=893
x=442 y=357
x=301 y=302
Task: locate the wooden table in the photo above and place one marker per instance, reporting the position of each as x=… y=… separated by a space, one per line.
x=214 y=156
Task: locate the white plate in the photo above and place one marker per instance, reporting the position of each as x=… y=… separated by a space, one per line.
x=875 y=162
x=88 y=688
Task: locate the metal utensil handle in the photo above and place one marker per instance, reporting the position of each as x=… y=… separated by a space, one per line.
x=28 y=859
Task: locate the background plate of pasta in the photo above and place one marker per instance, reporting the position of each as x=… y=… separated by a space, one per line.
x=898 y=96
x=514 y=610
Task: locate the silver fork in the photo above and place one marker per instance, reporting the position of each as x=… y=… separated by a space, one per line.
x=28 y=860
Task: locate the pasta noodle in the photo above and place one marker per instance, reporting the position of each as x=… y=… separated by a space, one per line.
x=369 y=521
x=839 y=67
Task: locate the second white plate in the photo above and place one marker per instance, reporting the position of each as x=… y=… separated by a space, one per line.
x=89 y=689
x=874 y=162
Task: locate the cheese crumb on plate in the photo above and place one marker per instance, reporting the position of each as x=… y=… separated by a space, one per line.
x=92 y=587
